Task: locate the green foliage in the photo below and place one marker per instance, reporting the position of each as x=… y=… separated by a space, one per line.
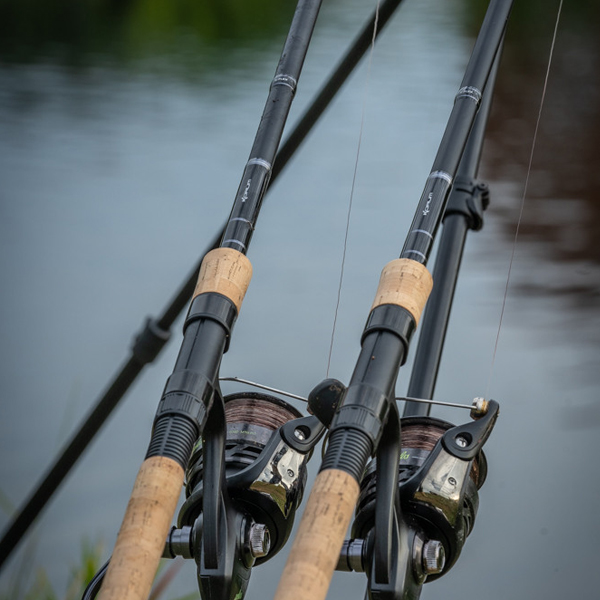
x=41 y=588
x=89 y=562
x=37 y=586
x=81 y=32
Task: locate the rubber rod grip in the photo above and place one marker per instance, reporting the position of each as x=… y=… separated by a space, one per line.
x=406 y=283
x=316 y=548
x=225 y=271
x=144 y=530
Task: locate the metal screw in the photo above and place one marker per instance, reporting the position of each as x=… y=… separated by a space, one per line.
x=451 y=481
x=290 y=473
x=299 y=434
x=461 y=441
x=434 y=557
x=260 y=540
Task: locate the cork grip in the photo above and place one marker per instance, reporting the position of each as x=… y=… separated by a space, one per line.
x=316 y=549
x=144 y=530
x=227 y=272
x=406 y=283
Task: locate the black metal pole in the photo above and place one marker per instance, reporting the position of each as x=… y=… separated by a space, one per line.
x=257 y=174
x=160 y=327
x=146 y=347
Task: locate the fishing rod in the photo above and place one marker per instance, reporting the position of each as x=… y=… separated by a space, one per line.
x=191 y=405
x=154 y=335
x=365 y=422
x=437 y=546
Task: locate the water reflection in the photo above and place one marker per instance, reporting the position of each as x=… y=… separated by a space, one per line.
x=561 y=219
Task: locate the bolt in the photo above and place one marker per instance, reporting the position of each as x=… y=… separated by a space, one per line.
x=461 y=441
x=451 y=481
x=290 y=473
x=434 y=557
x=299 y=434
x=260 y=540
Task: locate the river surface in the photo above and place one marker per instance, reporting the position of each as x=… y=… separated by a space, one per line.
x=114 y=175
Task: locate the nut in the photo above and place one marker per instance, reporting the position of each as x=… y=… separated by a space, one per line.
x=434 y=557
x=260 y=540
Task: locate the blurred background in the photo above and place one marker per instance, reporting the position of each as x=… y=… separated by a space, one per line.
x=124 y=129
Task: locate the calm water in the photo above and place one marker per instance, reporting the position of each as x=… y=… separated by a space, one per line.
x=116 y=168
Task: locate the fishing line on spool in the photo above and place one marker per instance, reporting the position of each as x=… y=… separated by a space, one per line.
x=362 y=121
x=522 y=206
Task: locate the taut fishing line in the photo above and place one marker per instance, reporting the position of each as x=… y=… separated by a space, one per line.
x=525 y=187
x=362 y=121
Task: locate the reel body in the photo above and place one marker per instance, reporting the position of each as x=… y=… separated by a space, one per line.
x=261 y=461
x=418 y=503
x=441 y=497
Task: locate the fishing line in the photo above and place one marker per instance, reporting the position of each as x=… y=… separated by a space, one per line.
x=525 y=187
x=362 y=120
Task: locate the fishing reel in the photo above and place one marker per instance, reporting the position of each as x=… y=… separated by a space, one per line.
x=418 y=498
x=440 y=470
x=245 y=480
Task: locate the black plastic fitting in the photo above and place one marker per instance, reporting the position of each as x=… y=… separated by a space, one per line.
x=186 y=393
x=215 y=307
x=325 y=398
x=469 y=198
x=173 y=437
x=348 y=450
x=365 y=409
x=393 y=318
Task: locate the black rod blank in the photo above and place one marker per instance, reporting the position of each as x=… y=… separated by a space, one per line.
x=457 y=223
x=432 y=203
x=257 y=173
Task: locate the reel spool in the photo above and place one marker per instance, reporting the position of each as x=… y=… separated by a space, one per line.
x=420 y=436
x=251 y=418
x=265 y=469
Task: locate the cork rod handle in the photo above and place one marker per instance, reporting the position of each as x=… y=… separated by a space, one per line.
x=142 y=536
x=317 y=545
x=227 y=272
x=406 y=283
x=150 y=511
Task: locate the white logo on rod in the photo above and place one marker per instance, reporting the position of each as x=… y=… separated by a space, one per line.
x=426 y=211
x=245 y=194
